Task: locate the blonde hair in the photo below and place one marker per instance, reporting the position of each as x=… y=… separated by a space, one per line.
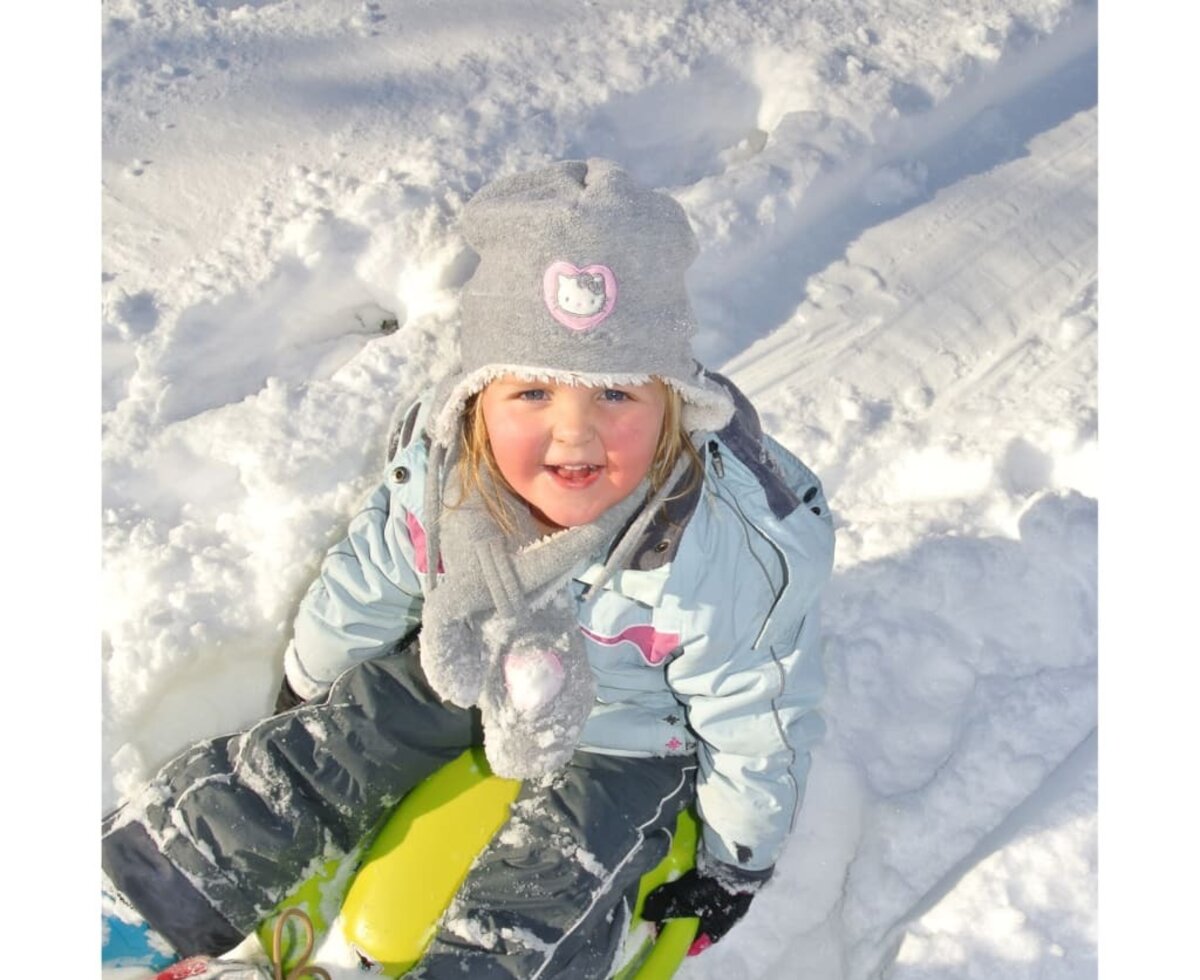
x=475 y=458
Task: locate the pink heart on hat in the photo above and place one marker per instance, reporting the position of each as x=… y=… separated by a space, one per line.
x=563 y=283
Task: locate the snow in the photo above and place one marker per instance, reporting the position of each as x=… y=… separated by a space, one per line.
x=897 y=209
x=533 y=678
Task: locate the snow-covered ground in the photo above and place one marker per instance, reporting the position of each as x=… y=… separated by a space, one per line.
x=897 y=207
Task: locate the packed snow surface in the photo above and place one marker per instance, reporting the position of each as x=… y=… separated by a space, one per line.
x=896 y=204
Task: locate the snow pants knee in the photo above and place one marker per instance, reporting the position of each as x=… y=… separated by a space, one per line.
x=225 y=830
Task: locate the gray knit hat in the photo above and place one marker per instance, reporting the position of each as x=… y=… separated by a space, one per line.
x=580 y=279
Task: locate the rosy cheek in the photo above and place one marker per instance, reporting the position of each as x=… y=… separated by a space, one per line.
x=634 y=440
x=515 y=448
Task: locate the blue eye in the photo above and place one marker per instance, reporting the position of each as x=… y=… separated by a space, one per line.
x=613 y=395
x=533 y=394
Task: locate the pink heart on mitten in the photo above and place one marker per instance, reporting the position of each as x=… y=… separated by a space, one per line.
x=533 y=678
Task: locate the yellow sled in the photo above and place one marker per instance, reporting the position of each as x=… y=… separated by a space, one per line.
x=420 y=857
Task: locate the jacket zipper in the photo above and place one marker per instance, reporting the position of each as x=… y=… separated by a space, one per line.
x=719 y=468
x=718 y=463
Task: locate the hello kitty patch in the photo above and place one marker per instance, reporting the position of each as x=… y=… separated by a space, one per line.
x=579 y=298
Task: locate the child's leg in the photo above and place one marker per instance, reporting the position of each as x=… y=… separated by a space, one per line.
x=226 y=829
x=550 y=895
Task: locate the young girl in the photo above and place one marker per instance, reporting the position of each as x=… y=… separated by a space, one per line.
x=614 y=577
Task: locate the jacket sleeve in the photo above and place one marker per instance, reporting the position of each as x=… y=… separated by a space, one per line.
x=751 y=688
x=366 y=598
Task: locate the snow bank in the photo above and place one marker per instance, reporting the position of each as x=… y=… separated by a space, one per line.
x=896 y=207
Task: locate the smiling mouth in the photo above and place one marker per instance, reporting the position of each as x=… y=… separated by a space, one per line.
x=575 y=475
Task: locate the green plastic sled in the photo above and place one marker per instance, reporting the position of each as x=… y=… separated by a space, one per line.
x=432 y=838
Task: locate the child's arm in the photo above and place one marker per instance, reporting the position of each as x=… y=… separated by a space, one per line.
x=365 y=599
x=368 y=595
x=753 y=685
x=753 y=678
x=756 y=720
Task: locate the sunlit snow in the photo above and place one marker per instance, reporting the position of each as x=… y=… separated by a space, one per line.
x=896 y=206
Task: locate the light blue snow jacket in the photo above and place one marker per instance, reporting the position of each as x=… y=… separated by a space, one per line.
x=706 y=642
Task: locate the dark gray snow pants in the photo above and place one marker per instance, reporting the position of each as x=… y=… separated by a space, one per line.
x=226 y=829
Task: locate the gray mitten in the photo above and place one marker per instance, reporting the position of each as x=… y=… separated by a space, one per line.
x=539 y=691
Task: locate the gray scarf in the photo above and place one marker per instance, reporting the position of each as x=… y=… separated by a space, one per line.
x=500 y=625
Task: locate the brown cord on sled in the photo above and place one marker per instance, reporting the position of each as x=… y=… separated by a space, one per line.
x=302 y=968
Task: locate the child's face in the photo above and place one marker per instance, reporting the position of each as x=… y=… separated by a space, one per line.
x=572 y=452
